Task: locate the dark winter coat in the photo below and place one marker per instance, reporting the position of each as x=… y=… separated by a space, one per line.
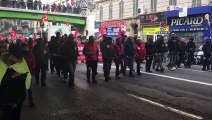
x=41 y=53
x=69 y=51
x=190 y=47
x=173 y=45
x=129 y=49
x=160 y=46
x=207 y=49
x=150 y=48
x=108 y=52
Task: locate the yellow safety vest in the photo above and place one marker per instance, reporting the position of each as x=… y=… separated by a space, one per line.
x=20 y=67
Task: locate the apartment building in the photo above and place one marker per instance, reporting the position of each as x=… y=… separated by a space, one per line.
x=111 y=13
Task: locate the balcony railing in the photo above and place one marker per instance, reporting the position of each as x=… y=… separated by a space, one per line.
x=44 y=7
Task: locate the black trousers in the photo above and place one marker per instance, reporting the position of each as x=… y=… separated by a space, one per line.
x=190 y=59
x=40 y=67
x=138 y=62
x=91 y=66
x=128 y=62
x=148 y=63
x=52 y=66
x=206 y=62
x=119 y=67
x=181 y=60
x=71 y=69
x=58 y=64
x=11 y=113
x=107 y=67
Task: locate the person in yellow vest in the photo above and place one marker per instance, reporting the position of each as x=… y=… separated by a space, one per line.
x=15 y=80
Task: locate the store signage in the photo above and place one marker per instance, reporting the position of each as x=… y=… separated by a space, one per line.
x=152 y=19
x=114 y=24
x=153 y=30
x=187 y=21
x=191 y=23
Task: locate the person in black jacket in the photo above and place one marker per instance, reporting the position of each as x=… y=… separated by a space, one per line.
x=190 y=49
x=173 y=46
x=129 y=54
x=69 y=53
x=182 y=49
x=108 y=53
x=41 y=53
x=207 y=49
x=150 y=51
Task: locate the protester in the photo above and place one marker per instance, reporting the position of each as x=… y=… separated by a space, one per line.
x=140 y=54
x=119 y=57
x=91 y=52
x=108 y=54
x=207 y=49
x=190 y=49
x=173 y=46
x=149 y=54
x=30 y=59
x=69 y=53
x=41 y=54
x=15 y=80
x=182 y=50
x=129 y=54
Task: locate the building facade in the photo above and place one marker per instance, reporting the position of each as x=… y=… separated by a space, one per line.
x=132 y=10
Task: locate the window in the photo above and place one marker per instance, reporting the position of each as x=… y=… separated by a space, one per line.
x=196 y=3
x=135 y=7
x=101 y=13
x=173 y=2
x=153 y=5
x=121 y=9
x=110 y=11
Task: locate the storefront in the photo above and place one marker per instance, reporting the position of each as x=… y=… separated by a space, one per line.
x=196 y=24
x=153 y=26
x=97 y=29
x=113 y=27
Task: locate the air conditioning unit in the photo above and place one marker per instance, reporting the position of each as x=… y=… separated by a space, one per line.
x=171 y=7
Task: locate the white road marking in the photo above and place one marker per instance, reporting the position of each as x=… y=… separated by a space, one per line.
x=167 y=107
x=175 y=78
x=191 y=70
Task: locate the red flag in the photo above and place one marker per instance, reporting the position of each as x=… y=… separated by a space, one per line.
x=45 y=17
x=14 y=34
x=75 y=35
x=37 y=23
x=102 y=32
x=73 y=2
x=67 y=22
x=22 y=37
x=119 y=33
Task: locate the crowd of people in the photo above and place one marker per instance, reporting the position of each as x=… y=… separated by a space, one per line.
x=20 y=60
x=37 y=5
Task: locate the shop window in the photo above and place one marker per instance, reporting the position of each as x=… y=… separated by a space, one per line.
x=196 y=3
x=101 y=13
x=121 y=9
x=110 y=11
x=153 y=5
x=135 y=7
x=173 y=2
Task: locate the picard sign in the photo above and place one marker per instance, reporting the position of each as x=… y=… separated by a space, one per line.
x=187 y=21
x=191 y=23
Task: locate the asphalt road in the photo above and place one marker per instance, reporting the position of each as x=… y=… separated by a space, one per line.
x=183 y=94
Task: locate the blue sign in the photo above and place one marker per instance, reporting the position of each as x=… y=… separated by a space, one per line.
x=97 y=25
x=191 y=23
x=111 y=32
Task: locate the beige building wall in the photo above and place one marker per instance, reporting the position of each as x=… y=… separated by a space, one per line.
x=145 y=5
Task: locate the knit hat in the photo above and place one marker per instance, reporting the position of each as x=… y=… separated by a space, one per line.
x=16 y=50
x=3 y=46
